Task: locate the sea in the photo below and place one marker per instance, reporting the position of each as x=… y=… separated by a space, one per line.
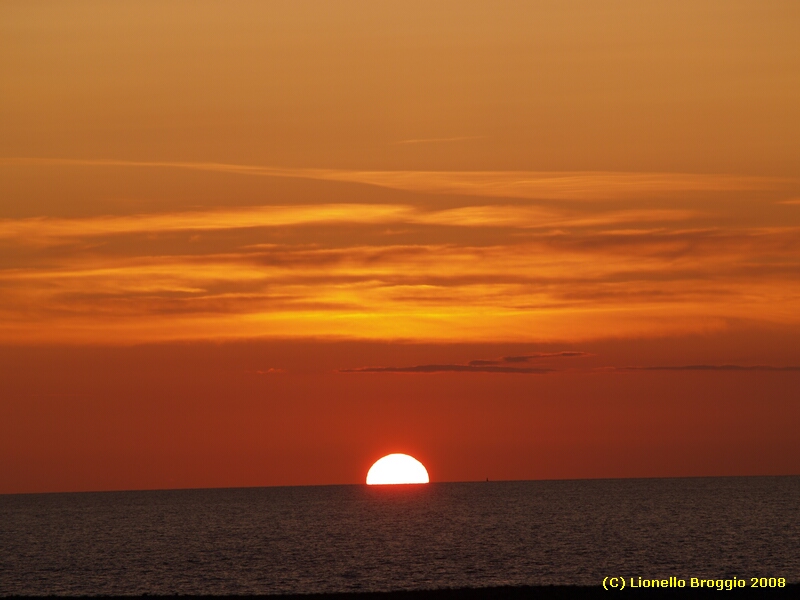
x=280 y=540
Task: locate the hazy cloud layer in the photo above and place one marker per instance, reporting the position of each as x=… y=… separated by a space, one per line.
x=480 y=267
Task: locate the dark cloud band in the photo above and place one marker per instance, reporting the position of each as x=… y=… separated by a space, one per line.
x=450 y=369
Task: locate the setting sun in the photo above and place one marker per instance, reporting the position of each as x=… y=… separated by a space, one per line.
x=397 y=468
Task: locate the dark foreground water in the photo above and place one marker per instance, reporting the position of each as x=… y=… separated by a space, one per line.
x=358 y=538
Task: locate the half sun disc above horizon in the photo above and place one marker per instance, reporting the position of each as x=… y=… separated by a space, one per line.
x=397 y=468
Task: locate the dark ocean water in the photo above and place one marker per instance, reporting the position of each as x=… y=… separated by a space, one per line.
x=355 y=538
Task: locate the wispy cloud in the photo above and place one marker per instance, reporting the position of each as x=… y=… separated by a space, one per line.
x=238 y=218
x=463 y=138
x=268 y=371
x=556 y=185
x=42 y=230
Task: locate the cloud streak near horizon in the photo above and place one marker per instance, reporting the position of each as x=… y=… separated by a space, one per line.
x=500 y=365
x=767 y=368
x=649 y=254
x=450 y=369
x=489 y=366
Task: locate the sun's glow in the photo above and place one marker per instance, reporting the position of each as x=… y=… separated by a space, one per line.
x=397 y=468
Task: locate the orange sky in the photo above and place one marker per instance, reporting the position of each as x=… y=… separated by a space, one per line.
x=266 y=243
